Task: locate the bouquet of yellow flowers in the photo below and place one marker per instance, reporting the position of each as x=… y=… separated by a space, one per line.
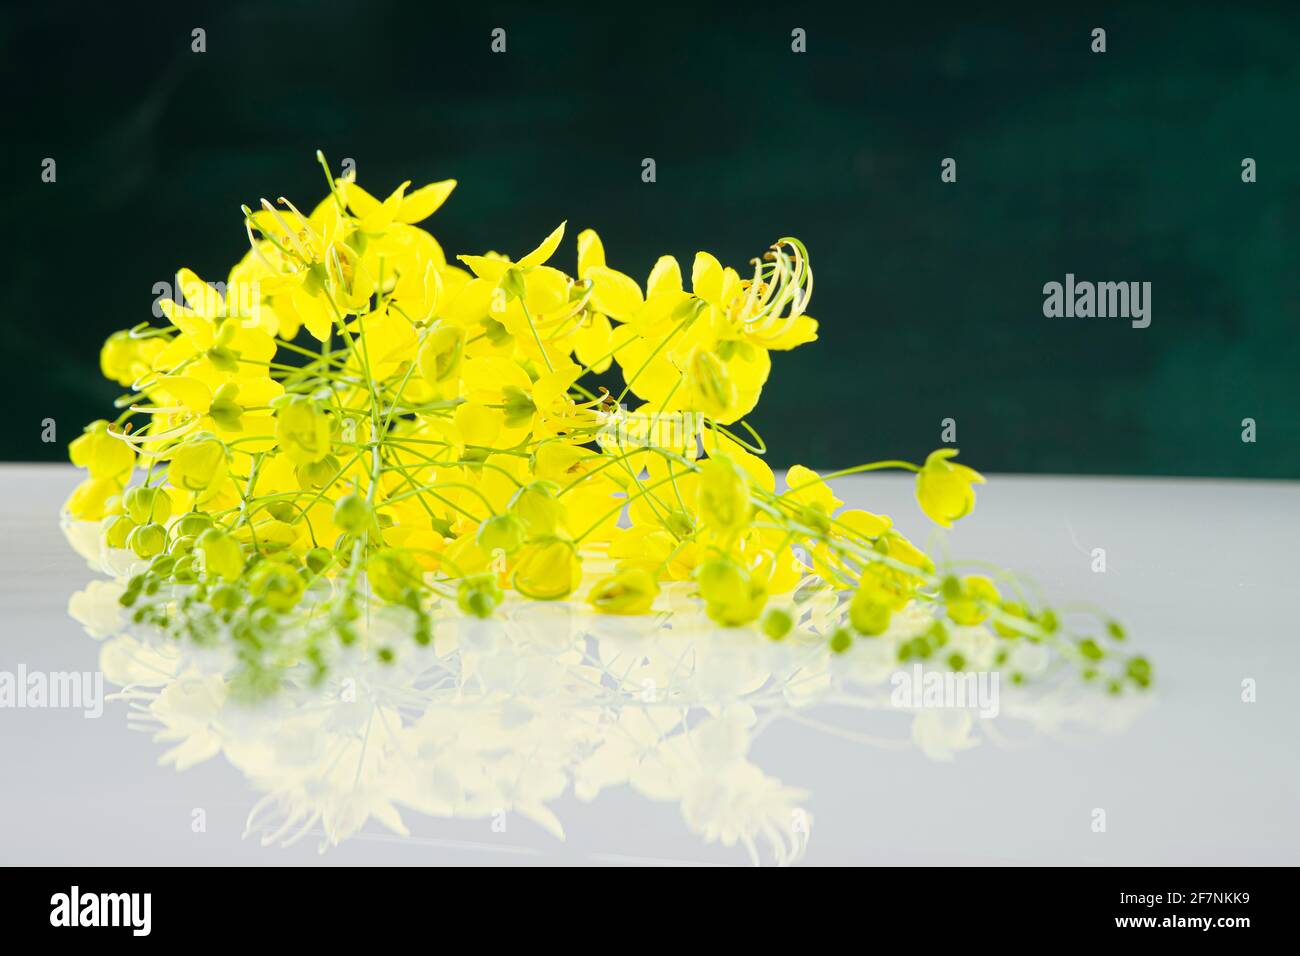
x=351 y=417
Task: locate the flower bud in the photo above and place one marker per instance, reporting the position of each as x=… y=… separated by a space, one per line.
x=440 y=355
x=548 y=570
x=276 y=584
x=145 y=505
x=713 y=390
x=537 y=506
x=318 y=559
x=732 y=598
x=198 y=465
x=943 y=488
x=351 y=513
x=978 y=593
x=777 y=623
x=394 y=574
x=224 y=597
x=222 y=555
x=317 y=474
x=119 y=529
x=303 y=431
x=478 y=595
x=631 y=590
x=194 y=523
x=503 y=532
x=869 y=610
x=723 y=497
x=147 y=540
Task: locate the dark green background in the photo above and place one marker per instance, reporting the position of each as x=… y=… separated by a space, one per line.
x=1122 y=166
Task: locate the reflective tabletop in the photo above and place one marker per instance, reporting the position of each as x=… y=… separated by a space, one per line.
x=551 y=735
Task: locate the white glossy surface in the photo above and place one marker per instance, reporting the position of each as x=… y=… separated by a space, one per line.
x=1202 y=573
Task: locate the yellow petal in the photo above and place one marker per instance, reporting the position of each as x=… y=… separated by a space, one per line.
x=190 y=392
x=706 y=278
x=545 y=250
x=665 y=278
x=615 y=294
x=424 y=202
x=362 y=204
x=787 y=335
x=478 y=425
x=314 y=313
x=486 y=267
x=200 y=296
x=192 y=324
x=591 y=252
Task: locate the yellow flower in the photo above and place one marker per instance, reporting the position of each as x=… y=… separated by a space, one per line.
x=89 y=501
x=104 y=455
x=813 y=496
x=126 y=359
x=374 y=216
x=943 y=487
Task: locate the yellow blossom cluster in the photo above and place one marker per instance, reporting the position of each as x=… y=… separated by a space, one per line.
x=352 y=415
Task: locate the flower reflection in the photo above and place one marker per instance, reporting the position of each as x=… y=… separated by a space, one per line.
x=507 y=715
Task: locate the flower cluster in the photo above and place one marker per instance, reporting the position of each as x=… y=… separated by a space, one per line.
x=353 y=417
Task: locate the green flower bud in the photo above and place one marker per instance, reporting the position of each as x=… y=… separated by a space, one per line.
x=147 y=505
x=312 y=476
x=731 y=597
x=184 y=569
x=777 y=623
x=147 y=540
x=1138 y=670
x=537 y=506
x=713 y=389
x=869 y=610
x=503 y=532
x=841 y=640
x=976 y=595
x=351 y=513
x=222 y=554
x=393 y=575
x=194 y=523
x=478 y=595
x=723 y=496
x=548 y=570
x=1091 y=649
x=303 y=430
x=630 y=590
x=199 y=465
x=440 y=354
x=118 y=531
x=277 y=584
x=224 y=597
x=283 y=511
x=318 y=559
